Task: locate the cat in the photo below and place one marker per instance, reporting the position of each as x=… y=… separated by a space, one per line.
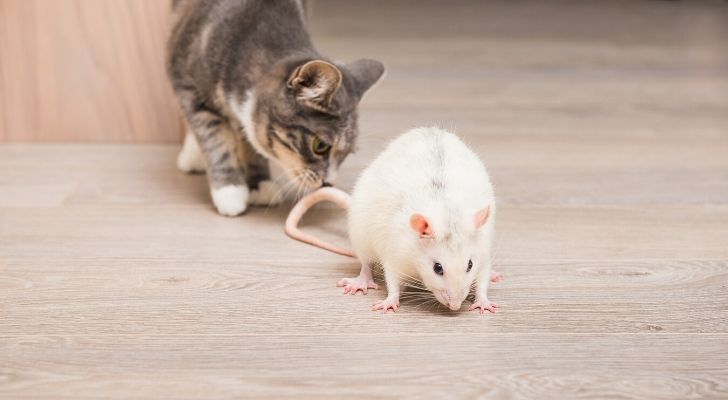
x=261 y=105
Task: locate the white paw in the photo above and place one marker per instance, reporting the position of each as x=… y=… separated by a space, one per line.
x=268 y=194
x=190 y=158
x=230 y=200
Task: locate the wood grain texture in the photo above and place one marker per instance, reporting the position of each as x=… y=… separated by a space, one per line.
x=88 y=70
x=606 y=138
x=466 y=364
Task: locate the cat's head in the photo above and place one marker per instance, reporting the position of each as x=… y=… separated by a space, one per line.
x=303 y=116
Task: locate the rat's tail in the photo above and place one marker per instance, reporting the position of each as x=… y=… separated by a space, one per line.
x=331 y=194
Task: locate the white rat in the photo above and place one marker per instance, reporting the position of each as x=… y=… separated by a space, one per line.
x=424 y=209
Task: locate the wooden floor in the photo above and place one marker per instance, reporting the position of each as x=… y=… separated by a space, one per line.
x=605 y=128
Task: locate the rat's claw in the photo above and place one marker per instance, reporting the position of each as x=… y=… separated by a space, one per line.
x=483 y=306
x=350 y=289
x=353 y=285
x=386 y=305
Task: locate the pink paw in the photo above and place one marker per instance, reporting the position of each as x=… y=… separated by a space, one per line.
x=495 y=277
x=386 y=305
x=353 y=285
x=483 y=306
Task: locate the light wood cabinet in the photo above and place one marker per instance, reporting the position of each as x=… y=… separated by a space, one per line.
x=88 y=70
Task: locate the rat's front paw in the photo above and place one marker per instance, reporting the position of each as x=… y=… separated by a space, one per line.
x=353 y=285
x=483 y=306
x=495 y=277
x=387 y=304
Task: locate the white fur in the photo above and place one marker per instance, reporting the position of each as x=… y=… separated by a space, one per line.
x=398 y=184
x=190 y=158
x=245 y=112
x=230 y=200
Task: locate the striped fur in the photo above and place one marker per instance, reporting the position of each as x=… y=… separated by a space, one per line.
x=254 y=90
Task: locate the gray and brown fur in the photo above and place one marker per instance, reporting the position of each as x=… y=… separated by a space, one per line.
x=219 y=50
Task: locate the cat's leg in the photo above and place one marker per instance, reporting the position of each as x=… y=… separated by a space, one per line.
x=221 y=146
x=226 y=172
x=190 y=159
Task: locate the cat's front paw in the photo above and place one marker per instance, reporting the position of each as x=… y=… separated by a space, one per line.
x=231 y=200
x=267 y=194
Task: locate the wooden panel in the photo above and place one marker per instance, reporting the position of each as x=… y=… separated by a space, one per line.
x=85 y=70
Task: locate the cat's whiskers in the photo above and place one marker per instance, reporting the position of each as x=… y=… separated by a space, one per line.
x=300 y=184
x=306 y=176
x=286 y=186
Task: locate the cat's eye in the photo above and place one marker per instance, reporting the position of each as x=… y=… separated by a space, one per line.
x=319 y=147
x=470 y=265
x=438 y=269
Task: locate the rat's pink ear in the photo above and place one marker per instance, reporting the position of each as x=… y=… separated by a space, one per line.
x=421 y=225
x=481 y=217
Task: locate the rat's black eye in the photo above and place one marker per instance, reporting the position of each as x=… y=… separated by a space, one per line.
x=470 y=265
x=438 y=269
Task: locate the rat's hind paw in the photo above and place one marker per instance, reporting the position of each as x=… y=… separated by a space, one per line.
x=483 y=306
x=353 y=285
x=386 y=305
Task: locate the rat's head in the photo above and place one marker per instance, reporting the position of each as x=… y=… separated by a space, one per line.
x=450 y=255
x=303 y=116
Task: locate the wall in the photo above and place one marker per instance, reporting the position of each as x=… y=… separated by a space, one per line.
x=85 y=70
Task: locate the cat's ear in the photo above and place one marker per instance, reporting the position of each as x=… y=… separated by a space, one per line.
x=315 y=83
x=366 y=73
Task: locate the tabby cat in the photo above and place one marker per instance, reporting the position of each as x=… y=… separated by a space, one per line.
x=262 y=106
